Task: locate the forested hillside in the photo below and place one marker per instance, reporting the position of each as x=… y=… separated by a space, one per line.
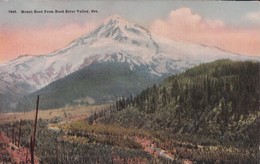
x=219 y=101
x=98 y=83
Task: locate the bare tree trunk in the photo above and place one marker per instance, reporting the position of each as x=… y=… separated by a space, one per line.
x=13 y=135
x=19 y=135
x=31 y=148
x=15 y=141
x=26 y=157
x=34 y=132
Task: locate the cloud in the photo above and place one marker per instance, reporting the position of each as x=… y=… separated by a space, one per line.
x=183 y=24
x=254 y=17
x=15 y=42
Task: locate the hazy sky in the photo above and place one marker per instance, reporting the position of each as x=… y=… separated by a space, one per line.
x=233 y=26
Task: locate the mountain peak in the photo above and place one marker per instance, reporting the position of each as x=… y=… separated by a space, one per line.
x=113 y=27
x=115 y=19
x=118 y=29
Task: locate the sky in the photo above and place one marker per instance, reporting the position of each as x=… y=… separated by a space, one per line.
x=229 y=25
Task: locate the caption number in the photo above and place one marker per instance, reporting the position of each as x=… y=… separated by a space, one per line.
x=12 y=11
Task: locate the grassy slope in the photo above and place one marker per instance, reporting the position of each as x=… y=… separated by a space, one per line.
x=66 y=114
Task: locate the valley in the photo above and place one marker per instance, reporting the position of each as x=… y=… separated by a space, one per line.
x=66 y=114
x=74 y=140
x=171 y=122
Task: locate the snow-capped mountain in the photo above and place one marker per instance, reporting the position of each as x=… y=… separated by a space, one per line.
x=114 y=40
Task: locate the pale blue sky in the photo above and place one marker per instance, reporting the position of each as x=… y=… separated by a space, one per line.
x=142 y=12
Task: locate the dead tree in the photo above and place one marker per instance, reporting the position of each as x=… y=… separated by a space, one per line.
x=19 y=135
x=13 y=135
x=34 y=131
x=26 y=157
x=15 y=139
x=31 y=150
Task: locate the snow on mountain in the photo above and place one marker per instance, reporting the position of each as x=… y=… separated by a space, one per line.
x=114 y=40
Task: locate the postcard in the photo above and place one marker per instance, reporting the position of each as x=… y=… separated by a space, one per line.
x=129 y=81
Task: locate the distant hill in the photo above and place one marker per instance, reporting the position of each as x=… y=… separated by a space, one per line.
x=219 y=100
x=98 y=83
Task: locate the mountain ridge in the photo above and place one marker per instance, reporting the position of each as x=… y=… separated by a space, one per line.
x=97 y=83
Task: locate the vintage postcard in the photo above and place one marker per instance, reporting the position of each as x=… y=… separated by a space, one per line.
x=129 y=81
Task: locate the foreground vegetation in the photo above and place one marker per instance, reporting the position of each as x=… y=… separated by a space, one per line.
x=59 y=147
x=80 y=142
x=209 y=114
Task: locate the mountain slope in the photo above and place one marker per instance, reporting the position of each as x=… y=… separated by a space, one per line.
x=98 y=83
x=115 y=40
x=219 y=100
